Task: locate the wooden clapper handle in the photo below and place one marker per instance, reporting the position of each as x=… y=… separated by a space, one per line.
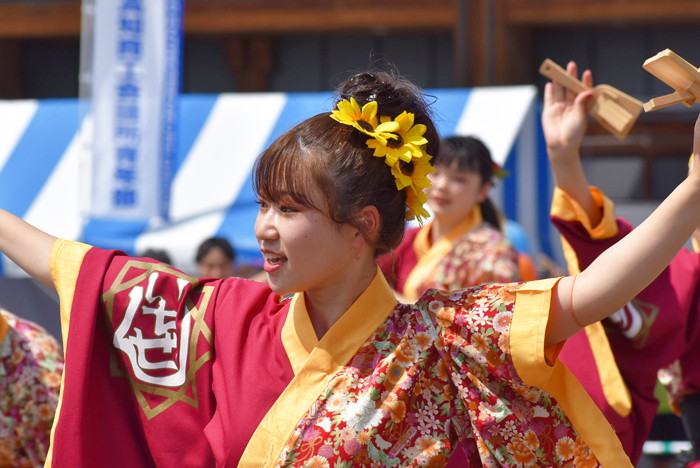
x=607 y=106
x=556 y=73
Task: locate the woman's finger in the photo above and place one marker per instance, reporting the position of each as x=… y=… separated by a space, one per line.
x=572 y=70
x=582 y=100
x=557 y=91
x=548 y=95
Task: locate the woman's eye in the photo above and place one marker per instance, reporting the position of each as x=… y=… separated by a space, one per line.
x=261 y=203
x=287 y=209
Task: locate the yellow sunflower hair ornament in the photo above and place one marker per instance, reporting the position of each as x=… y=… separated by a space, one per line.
x=365 y=119
x=407 y=144
x=400 y=143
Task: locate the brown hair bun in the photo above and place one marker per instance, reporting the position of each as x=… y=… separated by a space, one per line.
x=322 y=154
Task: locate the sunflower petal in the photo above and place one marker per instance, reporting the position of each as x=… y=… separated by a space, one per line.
x=388 y=127
x=422 y=182
x=415 y=199
x=404 y=153
x=405 y=119
x=391 y=158
x=415 y=140
x=342 y=117
x=379 y=149
x=417 y=131
x=346 y=108
x=415 y=151
x=355 y=108
x=369 y=111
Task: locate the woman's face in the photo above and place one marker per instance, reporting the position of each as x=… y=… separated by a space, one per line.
x=304 y=250
x=454 y=192
x=215 y=264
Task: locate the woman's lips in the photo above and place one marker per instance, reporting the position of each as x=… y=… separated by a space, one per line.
x=440 y=201
x=273 y=261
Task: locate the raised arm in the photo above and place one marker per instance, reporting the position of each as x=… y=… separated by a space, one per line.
x=564 y=124
x=27 y=246
x=625 y=269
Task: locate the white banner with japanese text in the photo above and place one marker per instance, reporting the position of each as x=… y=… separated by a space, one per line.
x=134 y=85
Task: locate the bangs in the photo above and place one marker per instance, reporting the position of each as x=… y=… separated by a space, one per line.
x=461 y=161
x=285 y=172
x=461 y=153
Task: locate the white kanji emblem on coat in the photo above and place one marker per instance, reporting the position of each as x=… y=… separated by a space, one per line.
x=130 y=339
x=158 y=315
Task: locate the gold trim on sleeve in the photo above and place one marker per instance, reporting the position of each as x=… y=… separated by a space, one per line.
x=4 y=326
x=527 y=337
x=64 y=264
x=566 y=208
x=613 y=385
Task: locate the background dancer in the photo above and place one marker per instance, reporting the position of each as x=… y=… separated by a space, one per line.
x=617 y=361
x=462 y=245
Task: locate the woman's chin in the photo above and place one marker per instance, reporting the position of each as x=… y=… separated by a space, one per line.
x=281 y=289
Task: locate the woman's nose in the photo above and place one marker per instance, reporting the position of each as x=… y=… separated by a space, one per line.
x=265 y=225
x=437 y=179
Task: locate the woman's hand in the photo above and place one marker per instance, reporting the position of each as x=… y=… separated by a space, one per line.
x=564 y=124
x=564 y=115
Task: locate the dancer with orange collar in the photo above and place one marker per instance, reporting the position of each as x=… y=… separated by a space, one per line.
x=462 y=245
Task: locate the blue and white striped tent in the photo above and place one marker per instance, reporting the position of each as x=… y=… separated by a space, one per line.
x=43 y=169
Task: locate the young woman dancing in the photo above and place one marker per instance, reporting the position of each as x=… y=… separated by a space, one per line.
x=462 y=245
x=163 y=369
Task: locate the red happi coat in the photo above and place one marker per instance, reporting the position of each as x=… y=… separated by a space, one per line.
x=617 y=360
x=163 y=369
x=110 y=419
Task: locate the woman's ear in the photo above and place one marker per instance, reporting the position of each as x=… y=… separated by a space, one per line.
x=369 y=219
x=484 y=191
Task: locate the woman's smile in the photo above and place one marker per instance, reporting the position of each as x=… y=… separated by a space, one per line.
x=440 y=201
x=273 y=261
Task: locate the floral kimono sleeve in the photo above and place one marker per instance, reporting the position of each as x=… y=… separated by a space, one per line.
x=503 y=420
x=487 y=258
x=31 y=365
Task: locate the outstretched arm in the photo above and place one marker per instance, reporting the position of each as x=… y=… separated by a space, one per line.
x=27 y=246
x=564 y=124
x=625 y=269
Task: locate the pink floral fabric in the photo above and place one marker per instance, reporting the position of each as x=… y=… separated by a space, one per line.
x=31 y=365
x=480 y=256
x=434 y=375
x=671 y=377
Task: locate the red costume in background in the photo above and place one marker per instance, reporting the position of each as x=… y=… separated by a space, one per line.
x=617 y=360
x=473 y=253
